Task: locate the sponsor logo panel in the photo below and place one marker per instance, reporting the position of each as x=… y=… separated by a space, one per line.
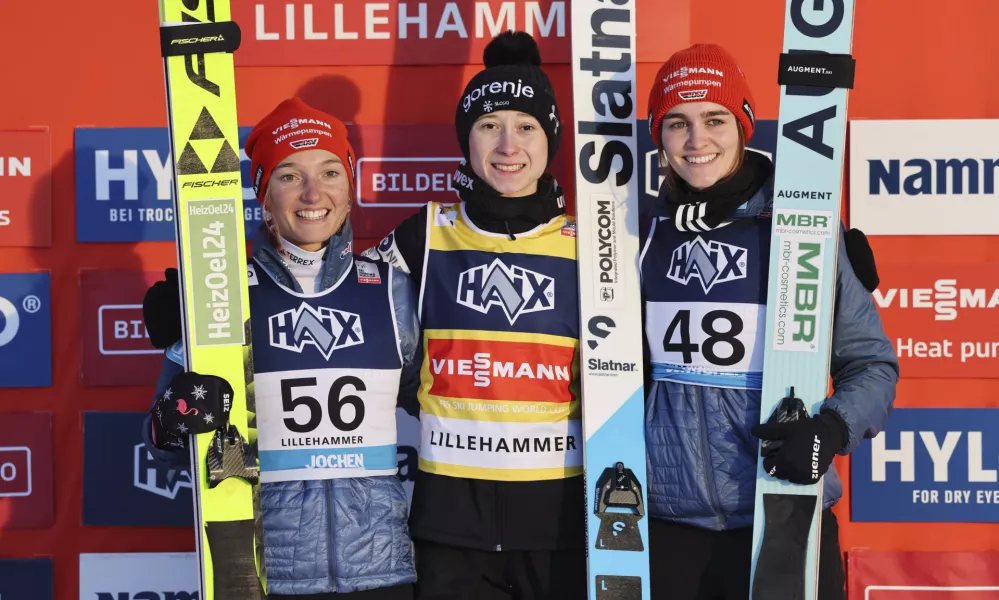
x=924 y=575
x=942 y=319
x=122 y=484
x=924 y=177
x=929 y=465
x=139 y=576
x=124 y=185
x=26 y=471
x=25 y=188
x=25 y=330
x=116 y=347
x=26 y=579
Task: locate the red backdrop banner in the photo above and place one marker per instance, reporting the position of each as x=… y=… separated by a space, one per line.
x=883 y=575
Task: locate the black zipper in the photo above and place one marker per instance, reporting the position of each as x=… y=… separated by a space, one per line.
x=708 y=468
x=331 y=530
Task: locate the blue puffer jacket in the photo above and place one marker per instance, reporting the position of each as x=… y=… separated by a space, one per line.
x=335 y=535
x=702 y=457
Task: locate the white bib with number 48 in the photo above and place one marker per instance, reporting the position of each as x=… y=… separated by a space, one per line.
x=704 y=343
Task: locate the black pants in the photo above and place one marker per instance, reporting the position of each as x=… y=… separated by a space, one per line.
x=690 y=563
x=398 y=592
x=452 y=573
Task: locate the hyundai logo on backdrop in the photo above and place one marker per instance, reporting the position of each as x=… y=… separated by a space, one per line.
x=124 y=185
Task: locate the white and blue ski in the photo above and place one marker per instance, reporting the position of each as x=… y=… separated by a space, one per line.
x=816 y=72
x=607 y=195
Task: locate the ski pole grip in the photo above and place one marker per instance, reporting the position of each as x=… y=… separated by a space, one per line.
x=817 y=69
x=199 y=38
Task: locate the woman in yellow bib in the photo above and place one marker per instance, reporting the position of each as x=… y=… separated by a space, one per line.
x=498 y=499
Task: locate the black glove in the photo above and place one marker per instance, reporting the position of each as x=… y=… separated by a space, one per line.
x=800 y=450
x=191 y=404
x=862 y=258
x=161 y=311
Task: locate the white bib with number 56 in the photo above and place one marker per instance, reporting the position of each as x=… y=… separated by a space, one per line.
x=326 y=423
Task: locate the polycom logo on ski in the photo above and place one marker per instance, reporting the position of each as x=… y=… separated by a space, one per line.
x=708 y=262
x=325 y=329
x=514 y=290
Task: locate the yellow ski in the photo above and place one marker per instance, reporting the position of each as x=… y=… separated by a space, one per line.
x=197 y=41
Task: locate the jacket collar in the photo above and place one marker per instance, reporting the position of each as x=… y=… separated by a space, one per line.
x=337 y=260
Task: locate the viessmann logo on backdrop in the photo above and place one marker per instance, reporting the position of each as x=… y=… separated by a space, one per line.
x=924 y=177
x=929 y=465
x=943 y=319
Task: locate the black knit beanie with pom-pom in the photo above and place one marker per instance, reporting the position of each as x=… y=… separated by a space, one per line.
x=512 y=80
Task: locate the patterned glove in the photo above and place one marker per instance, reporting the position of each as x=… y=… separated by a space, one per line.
x=191 y=404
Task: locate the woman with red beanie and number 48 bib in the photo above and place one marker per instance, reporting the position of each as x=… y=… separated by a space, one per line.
x=704 y=267
x=324 y=322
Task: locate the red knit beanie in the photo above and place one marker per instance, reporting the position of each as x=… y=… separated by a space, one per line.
x=701 y=73
x=294 y=126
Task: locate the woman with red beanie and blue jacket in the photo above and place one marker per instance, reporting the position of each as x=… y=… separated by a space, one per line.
x=704 y=267
x=325 y=322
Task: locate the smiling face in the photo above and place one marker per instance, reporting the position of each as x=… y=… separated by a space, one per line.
x=509 y=151
x=702 y=142
x=308 y=198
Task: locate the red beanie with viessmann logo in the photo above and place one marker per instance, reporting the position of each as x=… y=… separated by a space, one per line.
x=294 y=126
x=701 y=73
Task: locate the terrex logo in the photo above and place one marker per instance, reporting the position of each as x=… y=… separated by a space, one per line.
x=514 y=289
x=148 y=475
x=325 y=328
x=944 y=298
x=516 y=89
x=708 y=262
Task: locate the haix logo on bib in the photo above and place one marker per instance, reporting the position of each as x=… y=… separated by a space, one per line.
x=326 y=329
x=709 y=262
x=517 y=89
x=515 y=290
